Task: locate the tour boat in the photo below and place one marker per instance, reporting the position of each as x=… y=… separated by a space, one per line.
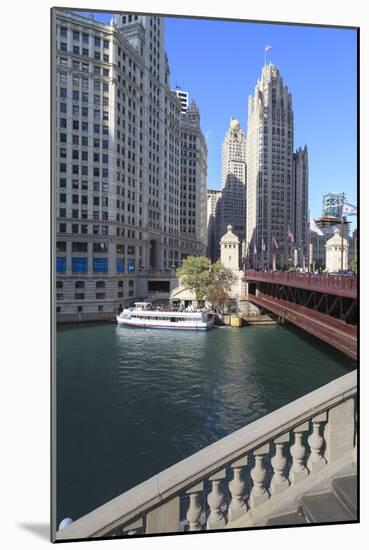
x=145 y=315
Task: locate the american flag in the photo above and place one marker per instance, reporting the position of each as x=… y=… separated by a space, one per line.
x=267 y=47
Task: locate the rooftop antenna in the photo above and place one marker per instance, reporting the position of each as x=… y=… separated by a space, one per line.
x=267 y=47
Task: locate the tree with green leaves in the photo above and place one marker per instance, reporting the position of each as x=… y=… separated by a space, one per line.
x=353 y=265
x=200 y=275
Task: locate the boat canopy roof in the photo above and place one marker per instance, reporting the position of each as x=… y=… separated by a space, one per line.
x=142 y=305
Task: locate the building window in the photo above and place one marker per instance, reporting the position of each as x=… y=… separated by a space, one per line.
x=79 y=284
x=79 y=247
x=101 y=247
x=61 y=264
x=100 y=284
x=120 y=265
x=79 y=296
x=59 y=284
x=61 y=246
x=100 y=295
x=100 y=265
x=131 y=265
x=79 y=265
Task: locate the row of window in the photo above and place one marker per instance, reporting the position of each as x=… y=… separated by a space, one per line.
x=100 y=265
x=97 y=172
x=97 y=229
x=99 y=284
x=61 y=246
x=85 y=38
x=83 y=155
x=83 y=140
x=81 y=296
x=97 y=128
x=76 y=50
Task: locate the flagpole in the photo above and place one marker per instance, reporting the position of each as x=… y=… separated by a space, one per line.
x=343 y=201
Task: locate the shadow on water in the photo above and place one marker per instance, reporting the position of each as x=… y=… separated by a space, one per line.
x=64 y=327
x=329 y=351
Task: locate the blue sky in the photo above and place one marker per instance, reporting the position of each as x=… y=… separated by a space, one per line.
x=219 y=62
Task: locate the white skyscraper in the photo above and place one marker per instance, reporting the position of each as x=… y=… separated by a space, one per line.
x=234 y=155
x=269 y=170
x=231 y=207
x=193 y=183
x=118 y=179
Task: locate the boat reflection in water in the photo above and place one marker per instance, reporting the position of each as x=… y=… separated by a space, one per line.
x=145 y=315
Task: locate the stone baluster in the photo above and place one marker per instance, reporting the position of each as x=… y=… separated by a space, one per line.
x=298 y=469
x=259 y=494
x=134 y=527
x=279 y=461
x=316 y=460
x=237 y=506
x=216 y=519
x=194 y=507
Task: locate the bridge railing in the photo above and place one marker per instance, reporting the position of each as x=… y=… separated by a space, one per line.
x=224 y=481
x=310 y=279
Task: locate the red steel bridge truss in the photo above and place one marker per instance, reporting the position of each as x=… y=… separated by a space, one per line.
x=323 y=305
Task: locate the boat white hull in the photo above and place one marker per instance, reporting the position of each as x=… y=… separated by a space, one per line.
x=166 y=325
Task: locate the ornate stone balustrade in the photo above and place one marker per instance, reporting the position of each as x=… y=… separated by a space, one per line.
x=239 y=473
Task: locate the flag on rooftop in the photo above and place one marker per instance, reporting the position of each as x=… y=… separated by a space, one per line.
x=268 y=47
x=349 y=209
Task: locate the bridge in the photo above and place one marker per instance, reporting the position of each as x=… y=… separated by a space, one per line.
x=323 y=305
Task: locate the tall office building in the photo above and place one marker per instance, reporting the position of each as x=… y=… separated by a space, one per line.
x=213 y=196
x=300 y=210
x=117 y=165
x=231 y=206
x=270 y=184
x=193 y=183
x=234 y=155
x=183 y=98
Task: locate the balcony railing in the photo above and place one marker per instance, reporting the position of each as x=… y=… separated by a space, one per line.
x=346 y=282
x=224 y=481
